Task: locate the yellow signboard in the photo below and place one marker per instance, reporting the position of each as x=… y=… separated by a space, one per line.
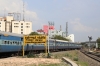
x=34 y=39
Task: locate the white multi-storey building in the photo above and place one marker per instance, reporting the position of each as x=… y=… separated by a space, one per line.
x=8 y=24
x=71 y=37
x=52 y=33
x=2 y=24
x=21 y=27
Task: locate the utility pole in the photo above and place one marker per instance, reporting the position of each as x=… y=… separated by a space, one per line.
x=49 y=34
x=23 y=11
x=66 y=29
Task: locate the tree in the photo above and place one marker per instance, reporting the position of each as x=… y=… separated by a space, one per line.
x=60 y=38
x=98 y=41
x=33 y=33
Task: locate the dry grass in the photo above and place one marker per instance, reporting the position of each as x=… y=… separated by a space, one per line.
x=13 y=61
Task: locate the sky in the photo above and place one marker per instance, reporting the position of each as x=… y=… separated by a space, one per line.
x=83 y=16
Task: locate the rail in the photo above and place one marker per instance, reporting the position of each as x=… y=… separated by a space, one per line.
x=91 y=55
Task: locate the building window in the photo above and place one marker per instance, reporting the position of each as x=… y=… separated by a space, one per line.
x=27 y=26
x=27 y=23
x=21 y=23
x=0 y=22
x=21 y=26
x=16 y=23
x=0 y=25
x=56 y=31
x=15 y=26
x=21 y=29
x=52 y=31
x=21 y=32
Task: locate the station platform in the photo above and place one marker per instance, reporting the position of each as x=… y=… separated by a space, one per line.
x=69 y=61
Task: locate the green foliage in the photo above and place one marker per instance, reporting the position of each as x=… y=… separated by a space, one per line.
x=60 y=38
x=98 y=41
x=82 y=63
x=49 y=55
x=31 y=55
x=67 y=55
x=75 y=58
x=33 y=33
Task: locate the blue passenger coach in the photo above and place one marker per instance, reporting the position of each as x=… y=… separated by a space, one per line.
x=10 y=42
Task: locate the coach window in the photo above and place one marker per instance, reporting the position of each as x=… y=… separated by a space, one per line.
x=2 y=42
x=51 y=44
x=8 y=42
x=13 y=42
x=18 y=43
x=62 y=44
x=69 y=44
x=66 y=44
x=21 y=39
x=5 y=42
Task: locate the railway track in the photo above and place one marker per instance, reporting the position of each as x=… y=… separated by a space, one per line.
x=91 y=55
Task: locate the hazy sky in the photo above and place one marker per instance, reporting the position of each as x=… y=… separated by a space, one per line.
x=83 y=16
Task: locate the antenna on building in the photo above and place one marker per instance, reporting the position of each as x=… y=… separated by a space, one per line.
x=66 y=29
x=17 y=16
x=60 y=28
x=53 y=23
x=23 y=11
x=4 y=12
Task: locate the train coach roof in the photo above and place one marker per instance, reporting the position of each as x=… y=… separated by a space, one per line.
x=58 y=40
x=11 y=34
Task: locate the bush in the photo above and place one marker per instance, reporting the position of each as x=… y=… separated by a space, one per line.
x=67 y=55
x=75 y=59
x=31 y=55
x=49 y=55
